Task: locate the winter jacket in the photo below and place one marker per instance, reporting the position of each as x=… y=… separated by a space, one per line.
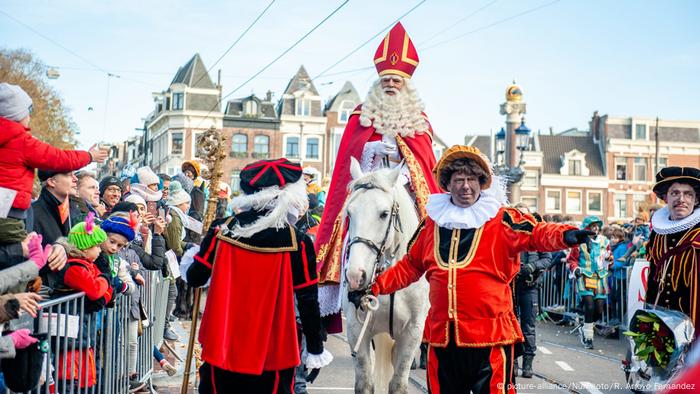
x=174 y=234
x=539 y=261
x=156 y=259
x=17 y=275
x=21 y=153
x=47 y=220
x=79 y=209
x=129 y=255
x=10 y=255
x=82 y=275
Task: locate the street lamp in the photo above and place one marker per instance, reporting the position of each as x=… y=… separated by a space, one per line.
x=514 y=173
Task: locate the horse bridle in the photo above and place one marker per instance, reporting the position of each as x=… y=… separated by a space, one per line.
x=379 y=250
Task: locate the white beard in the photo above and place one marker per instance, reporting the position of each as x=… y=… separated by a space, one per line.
x=400 y=114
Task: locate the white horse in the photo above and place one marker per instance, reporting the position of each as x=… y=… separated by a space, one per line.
x=382 y=218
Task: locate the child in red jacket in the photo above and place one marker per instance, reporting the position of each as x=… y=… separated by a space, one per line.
x=21 y=153
x=81 y=274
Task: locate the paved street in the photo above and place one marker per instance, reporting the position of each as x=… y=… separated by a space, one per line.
x=562 y=365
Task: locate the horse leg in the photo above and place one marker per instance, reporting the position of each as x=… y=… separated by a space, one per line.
x=362 y=361
x=404 y=351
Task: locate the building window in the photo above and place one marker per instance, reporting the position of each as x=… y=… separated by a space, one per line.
x=530 y=180
x=344 y=112
x=531 y=203
x=575 y=167
x=251 y=108
x=178 y=101
x=595 y=202
x=553 y=201
x=303 y=107
x=640 y=168
x=292 y=149
x=176 y=144
x=621 y=168
x=573 y=201
x=620 y=205
x=239 y=145
x=261 y=147
x=312 y=148
x=640 y=132
x=236 y=182
x=638 y=201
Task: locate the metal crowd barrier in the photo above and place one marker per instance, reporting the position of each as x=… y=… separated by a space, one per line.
x=89 y=352
x=558 y=297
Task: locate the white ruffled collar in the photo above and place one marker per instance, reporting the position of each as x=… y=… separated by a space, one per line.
x=662 y=223
x=443 y=212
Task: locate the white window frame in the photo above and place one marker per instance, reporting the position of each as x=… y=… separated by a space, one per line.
x=615 y=210
x=286 y=154
x=172 y=145
x=243 y=154
x=301 y=105
x=588 y=199
x=181 y=102
x=345 y=110
x=580 y=201
x=306 y=144
x=531 y=174
x=621 y=161
x=572 y=171
x=646 y=169
x=546 y=197
x=250 y=107
x=646 y=132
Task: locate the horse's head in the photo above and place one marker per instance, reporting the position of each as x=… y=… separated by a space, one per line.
x=374 y=226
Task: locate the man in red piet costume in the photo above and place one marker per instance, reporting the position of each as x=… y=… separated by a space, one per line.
x=468 y=247
x=388 y=128
x=258 y=263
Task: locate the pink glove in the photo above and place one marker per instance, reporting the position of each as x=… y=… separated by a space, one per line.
x=22 y=339
x=38 y=254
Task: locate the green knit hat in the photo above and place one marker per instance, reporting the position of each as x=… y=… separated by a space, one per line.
x=84 y=236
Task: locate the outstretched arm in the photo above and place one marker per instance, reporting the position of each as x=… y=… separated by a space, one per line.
x=407 y=270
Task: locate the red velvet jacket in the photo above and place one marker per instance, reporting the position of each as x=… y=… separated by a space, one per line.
x=21 y=153
x=469 y=272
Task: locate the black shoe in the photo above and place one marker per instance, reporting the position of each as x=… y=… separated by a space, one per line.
x=527 y=367
x=170 y=335
x=588 y=343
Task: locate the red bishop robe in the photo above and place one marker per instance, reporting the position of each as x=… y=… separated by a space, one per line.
x=418 y=154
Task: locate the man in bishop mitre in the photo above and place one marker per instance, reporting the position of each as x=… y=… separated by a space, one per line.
x=387 y=130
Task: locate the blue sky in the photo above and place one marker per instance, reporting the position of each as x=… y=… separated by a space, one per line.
x=571 y=57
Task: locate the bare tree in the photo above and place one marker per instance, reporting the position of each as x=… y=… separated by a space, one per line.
x=51 y=121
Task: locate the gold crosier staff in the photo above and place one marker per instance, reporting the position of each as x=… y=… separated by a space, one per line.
x=211 y=145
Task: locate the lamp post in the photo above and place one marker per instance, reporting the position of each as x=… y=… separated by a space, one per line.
x=512 y=141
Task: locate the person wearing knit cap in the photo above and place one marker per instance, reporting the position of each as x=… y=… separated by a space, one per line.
x=82 y=273
x=145 y=183
x=21 y=153
x=121 y=229
x=110 y=192
x=258 y=251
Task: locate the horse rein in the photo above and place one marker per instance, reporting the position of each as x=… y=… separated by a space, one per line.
x=371 y=301
x=379 y=250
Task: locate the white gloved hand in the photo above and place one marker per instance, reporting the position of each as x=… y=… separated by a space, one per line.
x=382 y=148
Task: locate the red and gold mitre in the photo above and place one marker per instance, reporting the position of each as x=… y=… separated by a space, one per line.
x=396 y=54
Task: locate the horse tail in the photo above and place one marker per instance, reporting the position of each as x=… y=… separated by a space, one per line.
x=383 y=364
